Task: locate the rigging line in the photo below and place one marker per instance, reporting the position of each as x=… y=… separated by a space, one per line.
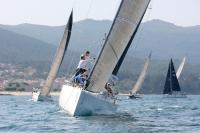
x=113 y=50
x=142 y=28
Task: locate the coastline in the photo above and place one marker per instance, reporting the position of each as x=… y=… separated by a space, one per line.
x=17 y=93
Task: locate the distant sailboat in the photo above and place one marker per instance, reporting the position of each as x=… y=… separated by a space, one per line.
x=43 y=95
x=88 y=100
x=172 y=87
x=141 y=78
x=180 y=68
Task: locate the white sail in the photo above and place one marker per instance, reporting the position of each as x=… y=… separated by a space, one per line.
x=58 y=58
x=142 y=76
x=180 y=68
x=125 y=23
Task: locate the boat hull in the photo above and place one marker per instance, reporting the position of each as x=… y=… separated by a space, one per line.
x=78 y=102
x=134 y=97
x=175 y=96
x=37 y=97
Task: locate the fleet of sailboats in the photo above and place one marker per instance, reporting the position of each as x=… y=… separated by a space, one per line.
x=89 y=99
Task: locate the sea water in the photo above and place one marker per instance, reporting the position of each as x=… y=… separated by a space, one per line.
x=150 y=114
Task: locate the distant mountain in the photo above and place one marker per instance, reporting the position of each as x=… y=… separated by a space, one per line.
x=20 y=48
x=27 y=51
x=35 y=45
x=166 y=40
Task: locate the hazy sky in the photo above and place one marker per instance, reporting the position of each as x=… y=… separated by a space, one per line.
x=56 y=12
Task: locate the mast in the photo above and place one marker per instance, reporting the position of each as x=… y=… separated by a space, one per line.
x=124 y=25
x=58 y=58
x=180 y=68
x=119 y=63
x=142 y=76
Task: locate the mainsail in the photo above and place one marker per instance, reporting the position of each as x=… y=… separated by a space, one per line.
x=125 y=23
x=180 y=68
x=58 y=58
x=171 y=83
x=119 y=63
x=142 y=76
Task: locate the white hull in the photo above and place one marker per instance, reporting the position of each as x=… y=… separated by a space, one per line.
x=78 y=102
x=37 y=97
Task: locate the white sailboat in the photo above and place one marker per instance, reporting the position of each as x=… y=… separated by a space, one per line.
x=43 y=94
x=88 y=100
x=180 y=68
x=141 y=78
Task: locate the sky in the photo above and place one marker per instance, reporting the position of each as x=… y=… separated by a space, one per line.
x=56 y=12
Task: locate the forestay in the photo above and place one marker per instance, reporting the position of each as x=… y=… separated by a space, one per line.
x=142 y=76
x=58 y=58
x=180 y=68
x=125 y=23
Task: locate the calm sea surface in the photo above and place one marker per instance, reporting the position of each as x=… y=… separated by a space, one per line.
x=151 y=114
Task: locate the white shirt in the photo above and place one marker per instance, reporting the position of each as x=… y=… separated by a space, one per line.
x=86 y=64
x=82 y=64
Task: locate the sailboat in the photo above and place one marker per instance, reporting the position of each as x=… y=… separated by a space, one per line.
x=44 y=93
x=141 y=79
x=172 y=87
x=180 y=68
x=88 y=100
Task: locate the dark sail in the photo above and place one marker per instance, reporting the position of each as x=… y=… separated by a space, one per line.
x=175 y=84
x=171 y=83
x=59 y=56
x=167 y=87
x=119 y=63
x=69 y=27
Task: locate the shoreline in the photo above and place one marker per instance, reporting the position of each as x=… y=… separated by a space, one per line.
x=17 y=93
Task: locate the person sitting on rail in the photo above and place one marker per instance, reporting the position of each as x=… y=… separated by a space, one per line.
x=81 y=68
x=81 y=78
x=85 y=63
